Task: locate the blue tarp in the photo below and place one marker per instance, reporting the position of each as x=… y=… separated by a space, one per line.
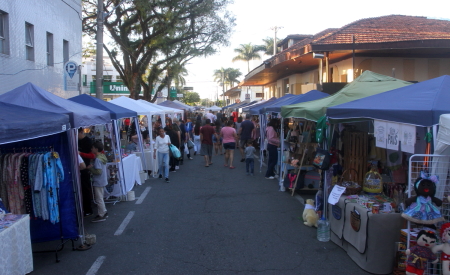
x=32 y=96
x=309 y=96
x=20 y=123
x=419 y=104
x=254 y=110
x=115 y=110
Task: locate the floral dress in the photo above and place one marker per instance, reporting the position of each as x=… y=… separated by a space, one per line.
x=423 y=211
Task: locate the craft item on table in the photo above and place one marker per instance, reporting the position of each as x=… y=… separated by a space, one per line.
x=310 y=216
x=373 y=184
x=420 y=254
x=294 y=162
x=312 y=179
x=420 y=208
x=444 y=248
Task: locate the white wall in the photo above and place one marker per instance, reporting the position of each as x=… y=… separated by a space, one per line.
x=56 y=17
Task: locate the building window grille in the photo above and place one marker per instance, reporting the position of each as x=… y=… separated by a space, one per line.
x=65 y=51
x=4 y=33
x=50 y=49
x=29 y=41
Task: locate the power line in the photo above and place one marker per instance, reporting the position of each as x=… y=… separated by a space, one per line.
x=79 y=16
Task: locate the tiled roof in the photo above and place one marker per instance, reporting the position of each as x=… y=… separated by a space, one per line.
x=390 y=28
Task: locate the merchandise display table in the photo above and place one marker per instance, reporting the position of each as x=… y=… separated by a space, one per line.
x=149 y=161
x=132 y=165
x=369 y=239
x=15 y=245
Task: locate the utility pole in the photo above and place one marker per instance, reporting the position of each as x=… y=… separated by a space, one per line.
x=275 y=29
x=99 y=57
x=223 y=88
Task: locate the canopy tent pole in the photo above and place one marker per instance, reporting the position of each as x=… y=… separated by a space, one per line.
x=283 y=165
x=139 y=134
x=118 y=157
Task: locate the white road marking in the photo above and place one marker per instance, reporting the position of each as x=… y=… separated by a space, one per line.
x=124 y=224
x=96 y=265
x=143 y=195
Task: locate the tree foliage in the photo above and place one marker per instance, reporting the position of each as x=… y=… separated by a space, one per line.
x=247 y=52
x=191 y=98
x=227 y=76
x=268 y=46
x=158 y=36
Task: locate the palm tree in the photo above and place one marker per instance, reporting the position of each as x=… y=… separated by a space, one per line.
x=268 y=45
x=247 y=52
x=233 y=75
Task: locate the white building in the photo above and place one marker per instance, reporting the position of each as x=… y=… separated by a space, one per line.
x=113 y=85
x=36 y=39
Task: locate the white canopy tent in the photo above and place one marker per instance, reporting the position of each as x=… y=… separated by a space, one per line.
x=214 y=108
x=442 y=147
x=162 y=109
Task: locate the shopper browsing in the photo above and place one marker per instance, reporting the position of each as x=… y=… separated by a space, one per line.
x=99 y=180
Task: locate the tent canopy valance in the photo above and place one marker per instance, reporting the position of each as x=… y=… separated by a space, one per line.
x=32 y=96
x=419 y=104
x=139 y=107
x=293 y=99
x=115 y=110
x=19 y=123
x=367 y=84
x=162 y=109
x=174 y=105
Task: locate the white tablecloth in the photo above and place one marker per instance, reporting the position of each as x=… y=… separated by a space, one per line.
x=150 y=163
x=132 y=165
x=15 y=248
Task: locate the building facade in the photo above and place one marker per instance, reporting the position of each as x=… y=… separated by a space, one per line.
x=410 y=48
x=36 y=39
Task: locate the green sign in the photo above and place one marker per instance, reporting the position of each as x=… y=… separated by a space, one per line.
x=173 y=92
x=111 y=88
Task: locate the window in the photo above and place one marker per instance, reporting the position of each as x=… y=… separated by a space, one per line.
x=49 y=49
x=93 y=77
x=4 y=33
x=107 y=78
x=118 y=78
x=29 y=41
x=65 y=51
x=286 y=85
x=84 y=80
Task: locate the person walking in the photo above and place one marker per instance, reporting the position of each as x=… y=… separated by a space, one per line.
x=217 y=140
x=162 y=144
x=206 y=133
x=175 y=141
x=228 y=133
x=272 y=148
x=245 y=133
x=249 y=158
x=197 y=141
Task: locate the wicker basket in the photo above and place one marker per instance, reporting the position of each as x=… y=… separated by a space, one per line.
x=350 y=190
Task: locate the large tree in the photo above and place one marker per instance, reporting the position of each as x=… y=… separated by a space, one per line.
x=156 y=36
x=247 y=52
x=268 y=46
x=227 y=76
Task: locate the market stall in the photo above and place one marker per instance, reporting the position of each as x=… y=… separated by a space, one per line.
x=65 y=221
x=399 y=128
x=110 y=137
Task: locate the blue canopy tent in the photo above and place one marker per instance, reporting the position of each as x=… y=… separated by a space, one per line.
x=254 y=109
x=281 y=99
x=66 y=144
x=419 y=104
x=116 y=112
x=309 y=96
x=20 y=123
x=231 y=105
x=32 y=96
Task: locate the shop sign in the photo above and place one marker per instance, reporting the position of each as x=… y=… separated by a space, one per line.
x=179 y=95
x=394 y=135
x=111 y=88
x=173 y=92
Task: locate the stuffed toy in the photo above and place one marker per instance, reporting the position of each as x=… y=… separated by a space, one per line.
x=420 y=254
x=445 y=248
x=310 y=216
x=420 y=208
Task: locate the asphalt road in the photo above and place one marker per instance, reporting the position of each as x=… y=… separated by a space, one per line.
x=205 y=221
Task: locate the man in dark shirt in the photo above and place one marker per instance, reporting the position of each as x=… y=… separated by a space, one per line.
x=84 y=147
x=245 y=133
x=206 y=133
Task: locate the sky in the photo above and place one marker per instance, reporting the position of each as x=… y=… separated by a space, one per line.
x=255 y=18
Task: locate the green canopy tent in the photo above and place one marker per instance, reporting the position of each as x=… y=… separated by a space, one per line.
x=367 y=84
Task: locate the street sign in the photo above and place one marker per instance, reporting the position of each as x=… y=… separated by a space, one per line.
x=188 y=88
x=173 y=92
x=71 y=76
x=179 y=95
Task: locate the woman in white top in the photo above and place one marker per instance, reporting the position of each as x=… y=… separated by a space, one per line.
x=162 y=146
